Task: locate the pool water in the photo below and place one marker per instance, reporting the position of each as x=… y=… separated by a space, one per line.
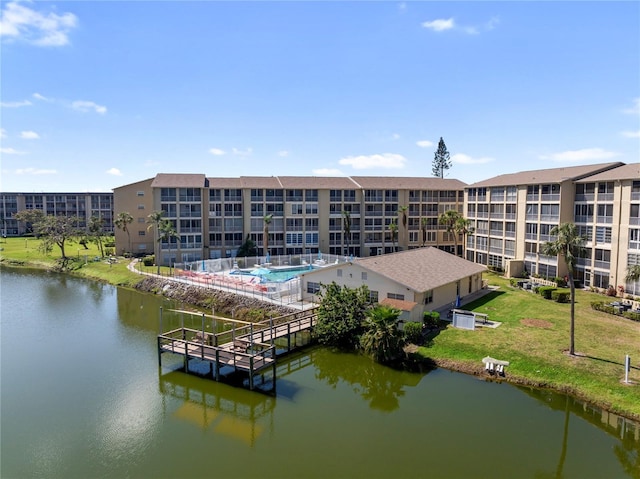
x=277 y=275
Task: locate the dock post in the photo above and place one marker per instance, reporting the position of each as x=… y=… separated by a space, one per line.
x=251 y=373
x=288 y=337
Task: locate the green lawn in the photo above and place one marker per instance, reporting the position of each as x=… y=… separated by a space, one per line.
x=537 y=349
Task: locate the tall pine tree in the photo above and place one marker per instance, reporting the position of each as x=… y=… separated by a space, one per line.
x=441 y=160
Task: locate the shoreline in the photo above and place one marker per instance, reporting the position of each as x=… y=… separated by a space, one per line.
x=193 y=296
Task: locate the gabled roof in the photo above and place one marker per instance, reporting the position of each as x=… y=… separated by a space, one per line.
x=624 y=172
x=551 y=175
x=225 y=183
x=179 y=180
x=421 y=269
x=318 y=182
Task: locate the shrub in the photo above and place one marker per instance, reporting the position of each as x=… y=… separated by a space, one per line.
x=513 y=282
x=560 y=282
x=546 y=291
x=148 y=260
x=561 y=295
x=431 y=318
x=611 y=291
x=631 y=315
x=413 y=332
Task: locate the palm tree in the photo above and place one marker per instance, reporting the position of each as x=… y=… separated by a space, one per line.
x=402 y=212
x=423 y=228
x=122 y=222
x=633 y=274
x=570 y=245
x=267 y=222
x=346 y=222
x=463 y=227
x=449 y=219
x=167 y=231
x=393 y=229
x=382 y=339
x=154 y=220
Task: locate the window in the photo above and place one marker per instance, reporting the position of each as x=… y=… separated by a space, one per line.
x=296 y=209
x=395 y=296
x=140 y=207
x=141 y=220
x=313 y=288
x=373 y=296
x=363 y=276
x=142 y=233
x=428 y=297
x=339 y=273
x=603 y=234
x=140 y=193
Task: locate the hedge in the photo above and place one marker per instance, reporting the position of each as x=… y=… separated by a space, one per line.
x=546 y=291
x=561 y=295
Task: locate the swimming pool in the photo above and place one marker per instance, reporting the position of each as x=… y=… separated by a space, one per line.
x=280 y=274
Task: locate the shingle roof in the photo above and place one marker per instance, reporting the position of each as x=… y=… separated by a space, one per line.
x=269 y=182
x=400 y=304
x=408 y=182
x=225 y=183
x=178 y=180
x=624 y=172
x=421 y=269
x=317 y=182
x=551 y=175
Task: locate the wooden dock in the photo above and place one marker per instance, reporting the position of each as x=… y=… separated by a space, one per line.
x=248 y=348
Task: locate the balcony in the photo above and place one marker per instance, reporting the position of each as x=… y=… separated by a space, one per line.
x=585 y=197
x=605 y=219
x=583 y=219
x=605 y=197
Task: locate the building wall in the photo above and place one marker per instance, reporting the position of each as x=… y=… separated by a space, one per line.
x=137 y=200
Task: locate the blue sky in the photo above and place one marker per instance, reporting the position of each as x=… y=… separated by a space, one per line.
x=97 y=95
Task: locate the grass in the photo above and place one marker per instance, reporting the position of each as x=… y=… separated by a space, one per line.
x=537 y=349
x=536 y=352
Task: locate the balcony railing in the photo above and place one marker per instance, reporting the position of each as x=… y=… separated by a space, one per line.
x=583 y=219
x=585 y=197
x=605 y=197
x=604 y=219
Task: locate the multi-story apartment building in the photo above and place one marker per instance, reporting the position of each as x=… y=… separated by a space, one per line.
x=513 y=215
x=344 y=215
x=82 y=205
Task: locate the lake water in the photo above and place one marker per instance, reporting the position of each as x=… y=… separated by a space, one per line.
x=82 y=396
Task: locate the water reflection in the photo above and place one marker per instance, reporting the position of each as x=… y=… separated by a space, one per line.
x=232 y=412
x=380 y=386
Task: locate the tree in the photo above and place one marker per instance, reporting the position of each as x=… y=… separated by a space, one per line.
x=423 y=228
x=340 y=315
x=248 y=248
x=167 y=232
x=441 y=160
x=402 y=212
x=570 y=245
x=346 y=222
x=122 y=222
x=154 y=220
x=96 y=232
x=382 y=340
x=633 y=273
x=31 y=218
x=449 y=219
x=267 y=222
x=52 y=230
x=393 y=229
x=463 y=227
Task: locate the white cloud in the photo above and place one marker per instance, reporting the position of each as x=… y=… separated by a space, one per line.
x=327 y=172
x=283 y=153
x=114 y=172
x=246 y=152
x=43 y=29
x=15 y=104
x=35 y=171
x=29 y=135
x=11 y=151
x=402 y=7
x=586 y=154
x=395 y=136
x=385 y=160
x=424 y=143
x=439 y=25
x=3 y=133
x=635 y=108
x=216 y=151
x=40 y=97
x=85 y=106
x=631 y=134
x=462 y=159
